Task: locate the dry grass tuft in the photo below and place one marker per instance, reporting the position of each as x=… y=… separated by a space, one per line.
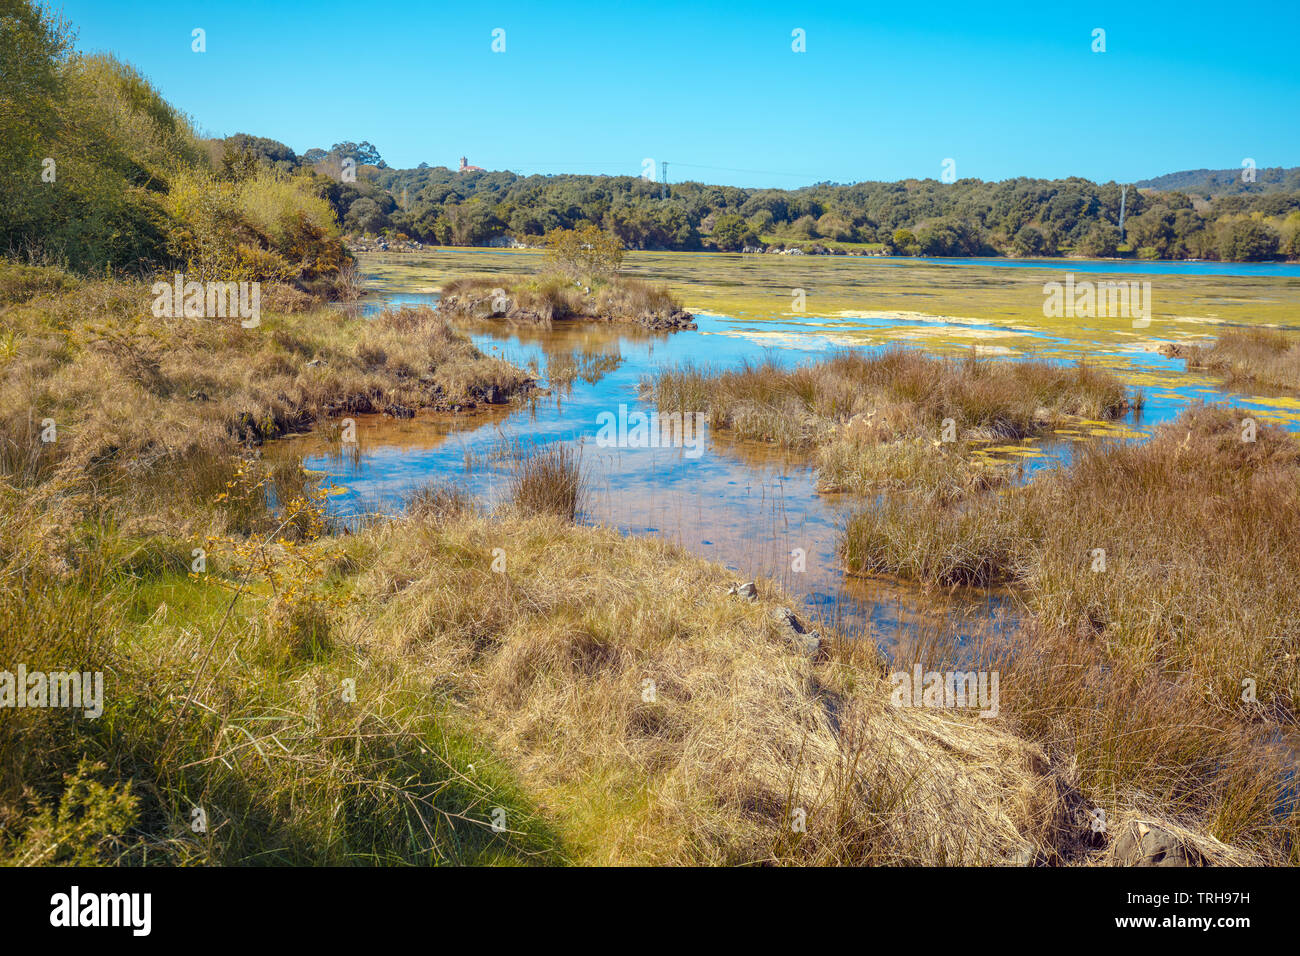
x=548 y=480
x=1266 y=357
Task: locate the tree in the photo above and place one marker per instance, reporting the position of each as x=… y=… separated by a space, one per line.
x=805 y=226
x=1153 y=229
x=364 y=153
x=953 y=220
x=1246 y=240
x=1101 y=241
x=364 y=215
x=949 y=237
x=1028 y=242
x=33 y=44
x=904 y=243
x=585 y=253
x=473 y=223
x=731 y=232
x=1290 y=244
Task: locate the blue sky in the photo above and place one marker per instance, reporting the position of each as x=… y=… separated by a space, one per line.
x=885 y=90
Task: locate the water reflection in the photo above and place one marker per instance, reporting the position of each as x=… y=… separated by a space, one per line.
x=746 y=505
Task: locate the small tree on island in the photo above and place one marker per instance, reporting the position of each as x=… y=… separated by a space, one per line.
x=585 y=253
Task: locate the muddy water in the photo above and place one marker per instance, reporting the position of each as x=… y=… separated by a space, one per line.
x=744 y=505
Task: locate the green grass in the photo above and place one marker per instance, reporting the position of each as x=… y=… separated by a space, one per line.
x=200 y=712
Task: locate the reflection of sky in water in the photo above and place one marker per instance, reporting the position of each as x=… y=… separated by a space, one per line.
x=741 y=504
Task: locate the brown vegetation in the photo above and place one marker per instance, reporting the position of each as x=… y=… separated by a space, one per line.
x=553 y=297
x=896 y=420
x=1163 y=660
x=1266 y=357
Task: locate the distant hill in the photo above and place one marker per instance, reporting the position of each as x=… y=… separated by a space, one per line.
x=1219 y=182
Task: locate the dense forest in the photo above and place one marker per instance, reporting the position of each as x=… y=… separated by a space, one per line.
x=1017 y=217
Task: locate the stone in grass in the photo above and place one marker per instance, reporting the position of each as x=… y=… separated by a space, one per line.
x=793 y=630
x=1145 y=844
x=748 y=590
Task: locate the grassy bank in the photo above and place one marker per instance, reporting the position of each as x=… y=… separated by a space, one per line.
x=230 y=734
x=98 y=391
x=387 y=696
x=662 y=721
x=380 y=697
x=142 y=536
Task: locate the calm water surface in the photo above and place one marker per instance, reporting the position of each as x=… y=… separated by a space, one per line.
x=742 y=504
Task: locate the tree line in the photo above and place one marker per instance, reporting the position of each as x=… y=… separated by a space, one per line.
x=1017 y=217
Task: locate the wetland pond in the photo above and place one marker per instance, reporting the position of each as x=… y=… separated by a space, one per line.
x=745 y=505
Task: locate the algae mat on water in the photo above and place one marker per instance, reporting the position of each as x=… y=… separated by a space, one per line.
x=848 y=288
x=853 y=301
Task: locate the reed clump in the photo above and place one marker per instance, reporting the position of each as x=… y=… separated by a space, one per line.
x=898 y=419
x=1266 y=357
x=548 y=480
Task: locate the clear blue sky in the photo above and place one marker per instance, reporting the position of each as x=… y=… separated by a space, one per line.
x=886 y=89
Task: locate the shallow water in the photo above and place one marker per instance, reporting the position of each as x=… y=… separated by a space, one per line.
x=742 y=504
